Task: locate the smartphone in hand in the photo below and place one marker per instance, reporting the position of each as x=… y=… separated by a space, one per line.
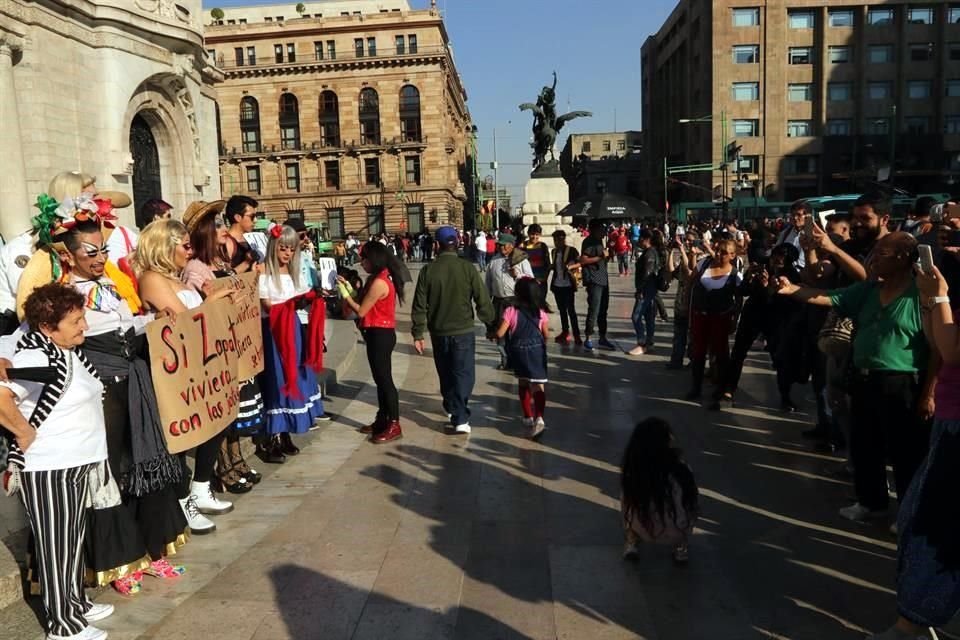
x=926 y=258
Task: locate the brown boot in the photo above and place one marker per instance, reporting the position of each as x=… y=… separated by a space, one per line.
x=391 y=432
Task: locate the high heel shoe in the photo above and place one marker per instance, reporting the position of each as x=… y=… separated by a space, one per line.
x=252 y=476
x=232 y=482
x=286 y=445
x=269 y=453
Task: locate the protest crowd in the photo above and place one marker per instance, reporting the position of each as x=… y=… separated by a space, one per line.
x=133 y=363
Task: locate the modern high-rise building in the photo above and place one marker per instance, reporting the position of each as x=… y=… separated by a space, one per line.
x=351 y=113
x=792 y=98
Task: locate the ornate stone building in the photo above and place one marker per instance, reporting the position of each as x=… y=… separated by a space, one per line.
x=352 y=114
x=119 y=89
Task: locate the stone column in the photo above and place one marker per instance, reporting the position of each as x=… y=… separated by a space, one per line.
x=15 y=211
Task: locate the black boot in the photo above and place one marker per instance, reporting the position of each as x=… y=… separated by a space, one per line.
x=697 y=368
x=268 y=451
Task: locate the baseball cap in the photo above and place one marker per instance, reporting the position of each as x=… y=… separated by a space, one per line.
x=506 y=238
x=447 y=235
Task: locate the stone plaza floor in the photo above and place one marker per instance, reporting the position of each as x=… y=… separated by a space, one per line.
x=492 y=536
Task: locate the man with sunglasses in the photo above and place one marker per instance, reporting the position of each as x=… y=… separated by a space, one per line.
x=239 y=214
x=308 y=271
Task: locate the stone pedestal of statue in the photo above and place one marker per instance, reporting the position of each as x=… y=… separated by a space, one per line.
x=546 y=194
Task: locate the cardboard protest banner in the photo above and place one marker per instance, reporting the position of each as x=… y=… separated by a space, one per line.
x=194 y=362
x=246 y=331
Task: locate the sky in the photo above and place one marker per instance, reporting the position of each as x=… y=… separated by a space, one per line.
x=506 y=51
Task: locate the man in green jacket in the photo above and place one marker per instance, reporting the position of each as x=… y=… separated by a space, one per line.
x=447 y=291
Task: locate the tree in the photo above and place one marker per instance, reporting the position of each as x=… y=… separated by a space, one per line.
x=301 y=9
x=216 y=13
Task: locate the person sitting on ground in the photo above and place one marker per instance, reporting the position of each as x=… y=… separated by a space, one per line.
x=659 y=499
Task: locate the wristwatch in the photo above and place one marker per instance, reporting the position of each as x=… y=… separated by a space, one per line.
x=940 y=300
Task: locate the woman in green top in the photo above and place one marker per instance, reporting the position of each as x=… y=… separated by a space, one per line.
x=891 y=390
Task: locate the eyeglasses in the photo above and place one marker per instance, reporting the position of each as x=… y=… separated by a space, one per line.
x=302 y=235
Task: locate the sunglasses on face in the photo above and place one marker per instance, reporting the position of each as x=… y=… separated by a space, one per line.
x=302 y=235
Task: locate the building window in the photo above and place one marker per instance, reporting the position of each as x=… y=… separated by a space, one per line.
x=746 y=54
x=920 y=15
x=329 y=119
x=952 y=124
x=292 y=170
x=400 y=45
x=801 y=19
x=800 y=92
x=371 y=172
x=331 y=50
x=880 y=53
x=800 y=55
x=358 y=47
x=917 y=124
x=953 y=51
x=369 y=117
x=268 y=19
x=250 y=124
x=278 y=53
x=840 y=55
x=746 y=17
x=242 y=21
x=746 y=91
x=253 y=179
x=840 y=17
x=918 y=89
x=953 y=15
x=331 y=171
x=289 y=122
x=410 y=130
x=412 y=42
x=291 y=52
x=879 y=90
x=411 y=168
x=335 y=223
x=921 y=52
x=606 y=145
x=877 y=126
x=415 y=219
x=839 y=127
x=839 y=91
x=799 y=128
x=375 y=220
x=585 y=146
x=621 y=145
x=953 y=88
x=799 y=165
x=238 y=56
x=251 y=56
x=749 y=164
x=746 y=128
x=878 y=17
x=371 y=47
x=318 y=50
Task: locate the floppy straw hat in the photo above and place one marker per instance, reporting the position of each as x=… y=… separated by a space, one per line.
x=118 y=199
x=198 y=210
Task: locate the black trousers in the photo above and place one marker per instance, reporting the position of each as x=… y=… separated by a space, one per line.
x=380 y=344
x=885 y=425
x=753 y=323
x=566 y=297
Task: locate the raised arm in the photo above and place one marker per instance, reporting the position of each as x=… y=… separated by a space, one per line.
x=816 y=297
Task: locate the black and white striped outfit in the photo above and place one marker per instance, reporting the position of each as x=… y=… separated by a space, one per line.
x=68 y=415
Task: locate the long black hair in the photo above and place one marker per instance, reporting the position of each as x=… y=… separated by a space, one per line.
x=529 y=297
x=380 y=258
x=651 y=464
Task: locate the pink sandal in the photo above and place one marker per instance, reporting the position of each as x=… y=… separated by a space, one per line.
x=163 y=569
x=128 y=585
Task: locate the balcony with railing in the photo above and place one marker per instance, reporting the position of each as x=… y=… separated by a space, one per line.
x=314 y=58
x=324 y=146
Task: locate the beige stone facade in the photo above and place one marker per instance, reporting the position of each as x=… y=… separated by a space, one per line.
x=290 y=117
x=817 y=95
x=76 y=76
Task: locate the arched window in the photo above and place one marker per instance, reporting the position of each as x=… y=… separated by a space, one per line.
x=369 y=117
x=410 y=114
x=329 y=119
x=250 y=124
x=289 y=122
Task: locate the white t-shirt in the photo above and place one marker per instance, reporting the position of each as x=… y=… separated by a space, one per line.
x=273 y=294
x=480 y=242
x=73 y=433
x=12 y=255
x=117 y=244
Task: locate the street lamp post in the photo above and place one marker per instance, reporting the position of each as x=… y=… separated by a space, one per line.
x=723 y=151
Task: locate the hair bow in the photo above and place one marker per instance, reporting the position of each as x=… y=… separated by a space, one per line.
x=81 y=208
x=276 y=230
x=104 y=208
x=47 y=220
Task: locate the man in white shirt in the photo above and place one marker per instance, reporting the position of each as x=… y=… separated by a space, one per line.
x=799 y=211
x=480 y=247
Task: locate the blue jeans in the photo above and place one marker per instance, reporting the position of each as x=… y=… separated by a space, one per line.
x=644 y=318
x=482 y=259
x=598 y=301
x=453 y=357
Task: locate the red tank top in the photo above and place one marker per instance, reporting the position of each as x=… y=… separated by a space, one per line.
x=383 y=315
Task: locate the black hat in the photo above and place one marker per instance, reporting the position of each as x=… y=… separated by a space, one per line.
x=296 y=224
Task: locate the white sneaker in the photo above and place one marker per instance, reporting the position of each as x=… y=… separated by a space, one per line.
x=198 y=523
x=462 y=429
x=90 y=633
x=859 y=513
x=537 y=429
x=207 y=503
x=527 y=422
x=98 y=611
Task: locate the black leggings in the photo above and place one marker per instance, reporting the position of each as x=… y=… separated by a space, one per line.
x=380 y=344
x=205 y=458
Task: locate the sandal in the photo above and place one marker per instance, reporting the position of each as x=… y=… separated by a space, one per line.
x=163 y=569
x=128 y=585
